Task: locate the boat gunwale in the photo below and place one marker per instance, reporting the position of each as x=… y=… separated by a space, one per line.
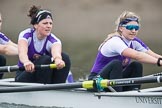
x=130 y=94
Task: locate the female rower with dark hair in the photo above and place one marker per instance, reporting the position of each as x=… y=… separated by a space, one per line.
x=36 y=46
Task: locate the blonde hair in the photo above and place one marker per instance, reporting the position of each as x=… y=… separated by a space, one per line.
x=122 y=17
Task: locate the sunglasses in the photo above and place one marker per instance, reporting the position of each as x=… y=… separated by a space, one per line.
x=131 y=27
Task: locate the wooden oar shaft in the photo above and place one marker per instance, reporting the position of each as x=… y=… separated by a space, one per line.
x=16 y=68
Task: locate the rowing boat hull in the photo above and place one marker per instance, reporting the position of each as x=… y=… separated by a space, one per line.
x=84 y=99
x=80 y=98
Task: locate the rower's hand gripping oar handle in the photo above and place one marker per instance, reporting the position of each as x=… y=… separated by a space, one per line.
x=16 y=68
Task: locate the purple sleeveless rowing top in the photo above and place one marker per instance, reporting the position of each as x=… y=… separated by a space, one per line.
x=31 y=49
x=3 y=39
x=102 y=60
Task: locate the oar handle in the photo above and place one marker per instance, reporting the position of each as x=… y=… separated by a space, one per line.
x=16 y=68
x=51 y=66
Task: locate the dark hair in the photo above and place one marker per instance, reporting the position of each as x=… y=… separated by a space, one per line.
x=33 y=12
x=37 y=14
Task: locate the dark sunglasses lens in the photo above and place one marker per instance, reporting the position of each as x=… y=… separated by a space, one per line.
x=131 y=27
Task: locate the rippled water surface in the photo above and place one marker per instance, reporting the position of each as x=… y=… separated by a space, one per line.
x=8 y=105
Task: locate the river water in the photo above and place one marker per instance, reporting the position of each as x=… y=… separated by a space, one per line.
x=12 y=105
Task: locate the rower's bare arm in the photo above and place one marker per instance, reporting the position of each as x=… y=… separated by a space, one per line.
x=12 y=43
x=150 y=52
x=8 y=50
x=22 y=50
x=56 y=54
x=140 y=56
x=56 y=51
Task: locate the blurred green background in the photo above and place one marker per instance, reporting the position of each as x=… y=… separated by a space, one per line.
x=83 y=24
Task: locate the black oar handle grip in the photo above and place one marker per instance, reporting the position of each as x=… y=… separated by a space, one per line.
x=10 y=68
x=16 y=68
